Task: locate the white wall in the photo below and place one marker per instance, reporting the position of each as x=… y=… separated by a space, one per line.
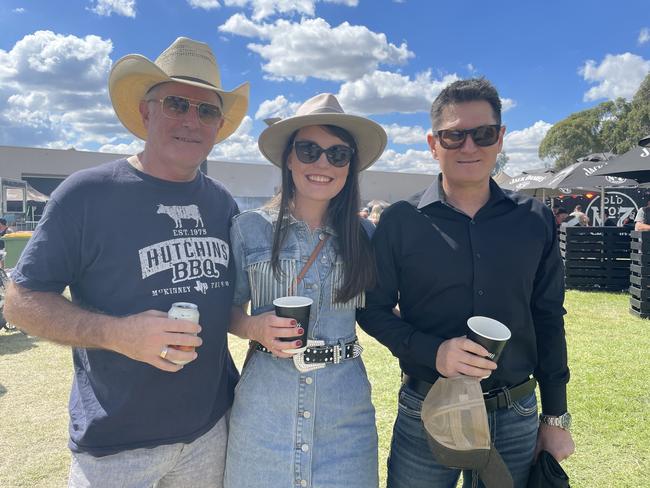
x=242 y=179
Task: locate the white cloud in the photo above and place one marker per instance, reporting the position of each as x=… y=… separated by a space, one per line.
x=106 y=8
x=297 y=50
x=507 y=104
x=204 y=4
x=616 y=76
x=385 y=92
x=411 y=161
x=241 y=25
x=522 y=146
x=278 y=107
x=644 y=35
x=400 y=134
x=266 y=8
x=132 y=148
x=53 y=92
x=240 y=146
x=18 y=10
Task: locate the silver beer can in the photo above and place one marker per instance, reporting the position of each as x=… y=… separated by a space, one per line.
x=183 y=311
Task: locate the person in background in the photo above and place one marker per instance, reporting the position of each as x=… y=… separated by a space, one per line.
x=642 y=219
x=628 y=222
x=4 y=229
x=561 y=216
x=375 y=213
x=466 y=247
x=363 y=212
x=150 y=394
x=306 y=418
x=577 y=213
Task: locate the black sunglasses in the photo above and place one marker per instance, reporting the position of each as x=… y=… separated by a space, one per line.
x=308 y=152
x=175 y=107
x=484 y=135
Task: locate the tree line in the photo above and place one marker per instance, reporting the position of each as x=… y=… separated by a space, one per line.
x=612 y=126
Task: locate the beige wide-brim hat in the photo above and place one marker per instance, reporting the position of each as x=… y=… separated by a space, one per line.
x=324 y=109
x=185 y=61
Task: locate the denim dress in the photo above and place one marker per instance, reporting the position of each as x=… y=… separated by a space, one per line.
x=291 y=429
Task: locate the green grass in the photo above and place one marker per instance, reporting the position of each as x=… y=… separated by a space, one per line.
x=609 y=396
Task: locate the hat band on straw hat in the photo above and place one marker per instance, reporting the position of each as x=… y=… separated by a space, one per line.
x=190 y=78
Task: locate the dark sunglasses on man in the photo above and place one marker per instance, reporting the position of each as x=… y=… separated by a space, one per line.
x=308 y=152
x=175 y=107
x=484 y=135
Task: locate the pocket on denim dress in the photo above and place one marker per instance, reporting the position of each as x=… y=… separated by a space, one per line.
x=246 y=372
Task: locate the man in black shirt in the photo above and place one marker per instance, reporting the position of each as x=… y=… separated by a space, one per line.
x=461 y=248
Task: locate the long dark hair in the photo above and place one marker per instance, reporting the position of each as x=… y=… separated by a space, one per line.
x=353 y=244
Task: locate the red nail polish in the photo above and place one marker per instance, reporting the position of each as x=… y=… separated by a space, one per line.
x=301 y=331
x=298 y=343
x=293 y=322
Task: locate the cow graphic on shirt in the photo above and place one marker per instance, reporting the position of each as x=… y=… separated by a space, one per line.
x=178 y=213
x=190 y=254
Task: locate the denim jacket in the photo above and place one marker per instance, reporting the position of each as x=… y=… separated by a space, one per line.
x=252 y=235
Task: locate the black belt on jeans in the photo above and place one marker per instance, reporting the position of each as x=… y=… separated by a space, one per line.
x=494 y=399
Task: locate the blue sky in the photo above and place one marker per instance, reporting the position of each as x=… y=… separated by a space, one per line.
x=387 y=59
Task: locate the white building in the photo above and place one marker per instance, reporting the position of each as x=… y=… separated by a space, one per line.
x=251 y=184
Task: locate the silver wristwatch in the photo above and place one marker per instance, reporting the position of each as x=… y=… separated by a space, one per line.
x=563 y=421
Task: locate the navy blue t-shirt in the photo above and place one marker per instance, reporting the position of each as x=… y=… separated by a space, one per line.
x=126 y=242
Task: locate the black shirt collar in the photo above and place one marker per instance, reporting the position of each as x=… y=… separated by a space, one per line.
x=435 y=193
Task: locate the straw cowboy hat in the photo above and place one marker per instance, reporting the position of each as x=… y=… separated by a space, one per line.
x=324 y=109
x=185 y=61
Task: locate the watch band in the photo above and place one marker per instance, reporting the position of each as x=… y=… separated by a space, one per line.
x=563 y=421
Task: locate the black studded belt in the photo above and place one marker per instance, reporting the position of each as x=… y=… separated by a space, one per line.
x=326 y=354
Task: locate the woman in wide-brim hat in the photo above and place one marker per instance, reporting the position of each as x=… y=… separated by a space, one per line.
x=306 y=417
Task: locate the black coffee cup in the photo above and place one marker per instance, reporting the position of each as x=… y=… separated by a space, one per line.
x=489 y=333
x=296 y=308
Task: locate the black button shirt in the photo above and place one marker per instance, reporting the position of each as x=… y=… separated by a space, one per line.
x=442 y=267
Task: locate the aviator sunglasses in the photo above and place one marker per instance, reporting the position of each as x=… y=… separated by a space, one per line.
x=484 y=135
x=175 y=107
x=308 y=152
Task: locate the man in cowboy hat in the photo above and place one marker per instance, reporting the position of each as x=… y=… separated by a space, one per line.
x=150 y=394
x=466 y=247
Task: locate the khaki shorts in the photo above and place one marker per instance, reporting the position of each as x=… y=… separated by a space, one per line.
x=199 y=464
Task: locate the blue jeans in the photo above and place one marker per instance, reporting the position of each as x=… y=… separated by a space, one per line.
x=411 y=464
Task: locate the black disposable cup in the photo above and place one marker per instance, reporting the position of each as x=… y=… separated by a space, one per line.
x=489 y=333
x=296 y=308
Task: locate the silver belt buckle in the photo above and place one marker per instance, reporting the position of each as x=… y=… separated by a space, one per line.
x=299 y=359
x=336 y=350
